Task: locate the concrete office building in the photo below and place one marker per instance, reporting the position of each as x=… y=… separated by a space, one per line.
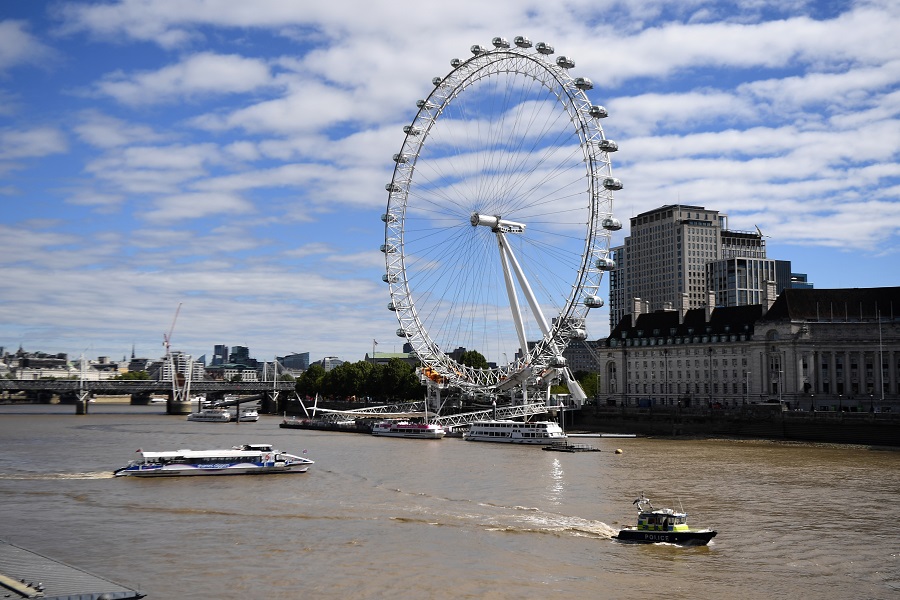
x=676 y=254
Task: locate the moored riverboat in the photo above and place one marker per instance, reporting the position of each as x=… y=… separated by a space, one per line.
x=540 y=433
x=349 y=425
x=248 y=415
x=663 y=525
x=567 y=447
x=406 y=429
x=247 y=459
x=211 y=415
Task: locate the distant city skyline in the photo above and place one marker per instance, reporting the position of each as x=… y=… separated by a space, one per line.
x=233 y=161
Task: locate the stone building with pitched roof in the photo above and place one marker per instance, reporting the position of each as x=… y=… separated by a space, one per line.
x=822 y=349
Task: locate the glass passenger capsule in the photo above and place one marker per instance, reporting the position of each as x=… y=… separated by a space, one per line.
x=500 y=42
x=606 y=264
x=544 y=48
x=565 y=62
x=598 y=112
x=611 y=183
x=593 y=302
x=583 y=83
x=522 y=42
x=608 y=145
x=611 y=223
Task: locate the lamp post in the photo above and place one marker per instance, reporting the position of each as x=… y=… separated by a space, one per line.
x=709 y=374
x=666 y=367
x=780 y=384
x=745 y=386
x=624 y=369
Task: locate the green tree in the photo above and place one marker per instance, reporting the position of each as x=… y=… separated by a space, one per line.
x=474 y=359
x=310 y=382
x=588 y=381
x=398 y=381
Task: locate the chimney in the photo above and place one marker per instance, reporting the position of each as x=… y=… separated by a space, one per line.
x=710 y=304
x=636 y=306
x=683 y=304
x=769 y=296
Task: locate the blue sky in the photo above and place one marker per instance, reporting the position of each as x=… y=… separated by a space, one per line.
x=231 y=156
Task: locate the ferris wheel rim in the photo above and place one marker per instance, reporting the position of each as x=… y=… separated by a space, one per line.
x=570 y=94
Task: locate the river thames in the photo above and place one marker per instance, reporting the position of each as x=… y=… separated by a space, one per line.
x=383 y=517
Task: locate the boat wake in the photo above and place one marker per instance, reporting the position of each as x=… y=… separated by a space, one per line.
x=55 y=476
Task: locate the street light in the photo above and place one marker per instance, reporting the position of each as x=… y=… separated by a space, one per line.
x=746 y=372
x=666 y=366
x=780 y=384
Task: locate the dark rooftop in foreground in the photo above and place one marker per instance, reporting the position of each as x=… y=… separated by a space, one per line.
x=26 y=574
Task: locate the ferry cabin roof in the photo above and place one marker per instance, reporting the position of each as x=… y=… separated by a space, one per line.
x=510 y=424
x=204 y=454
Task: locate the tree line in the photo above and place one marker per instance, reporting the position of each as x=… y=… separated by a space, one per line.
x=394 y=380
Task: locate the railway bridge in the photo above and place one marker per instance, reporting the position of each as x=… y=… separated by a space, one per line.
x=270 y=393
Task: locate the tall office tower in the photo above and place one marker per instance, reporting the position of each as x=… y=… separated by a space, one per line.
x=663 y=261
x=740 y=276
x=240 y=355
x=220 y=355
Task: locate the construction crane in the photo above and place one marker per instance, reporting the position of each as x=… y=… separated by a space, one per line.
x=167 y=337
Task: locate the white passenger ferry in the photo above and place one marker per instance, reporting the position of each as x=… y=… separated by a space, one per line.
x=211 y=415
x=540 y=433
x=247 y=459
x=249 y=415
x=405 y=429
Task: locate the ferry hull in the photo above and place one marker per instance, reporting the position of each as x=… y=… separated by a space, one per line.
x=189 y=471
x=412 y=436
x=682 y=538
x=527 y=441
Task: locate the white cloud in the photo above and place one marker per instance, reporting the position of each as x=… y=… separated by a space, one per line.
x=201 y=74
x=104 y=131
x=177 y=208
x=19 y=47
x=31 y=143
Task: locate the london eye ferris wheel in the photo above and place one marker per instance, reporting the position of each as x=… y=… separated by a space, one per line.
x=499 y=217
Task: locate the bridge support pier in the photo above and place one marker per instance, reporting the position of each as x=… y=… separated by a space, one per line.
x=268 y=403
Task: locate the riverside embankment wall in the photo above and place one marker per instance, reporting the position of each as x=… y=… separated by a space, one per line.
x=874 y=429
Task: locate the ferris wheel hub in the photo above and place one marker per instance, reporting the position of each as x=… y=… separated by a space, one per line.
x=496 y=223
